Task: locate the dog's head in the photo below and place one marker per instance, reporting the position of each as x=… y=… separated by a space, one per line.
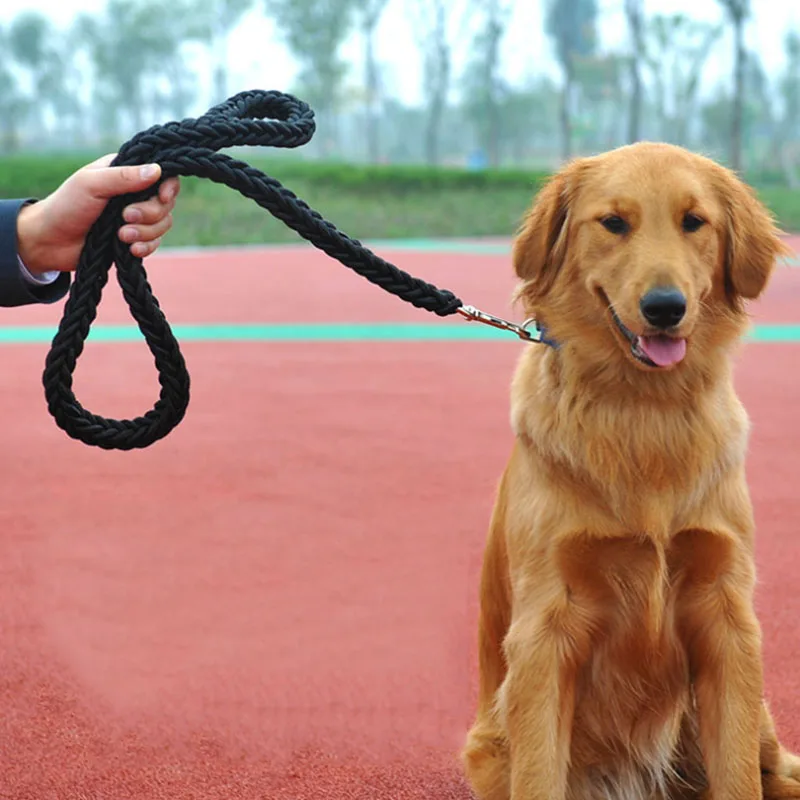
x=645 y=255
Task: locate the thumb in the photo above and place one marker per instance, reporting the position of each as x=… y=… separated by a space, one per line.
x=104 y=182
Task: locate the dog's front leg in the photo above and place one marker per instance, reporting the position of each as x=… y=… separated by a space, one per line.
x=724 y=645
x=537 y=699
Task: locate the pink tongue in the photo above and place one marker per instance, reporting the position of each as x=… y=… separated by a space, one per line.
x=663 y=350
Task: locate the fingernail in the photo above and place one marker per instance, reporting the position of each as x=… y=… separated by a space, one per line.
x=132 y=215
x=148 y=171
x=129 y=234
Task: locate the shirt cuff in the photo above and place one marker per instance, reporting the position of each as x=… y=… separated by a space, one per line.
x=38 y=278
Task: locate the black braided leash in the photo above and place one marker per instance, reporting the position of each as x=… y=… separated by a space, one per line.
x=190 y=147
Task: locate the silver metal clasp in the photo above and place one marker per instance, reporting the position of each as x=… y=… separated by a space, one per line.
x=472 y=314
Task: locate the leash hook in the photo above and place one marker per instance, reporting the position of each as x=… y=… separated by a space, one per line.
x=472 y=314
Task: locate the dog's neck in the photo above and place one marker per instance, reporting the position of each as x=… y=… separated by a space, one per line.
x=626 y=436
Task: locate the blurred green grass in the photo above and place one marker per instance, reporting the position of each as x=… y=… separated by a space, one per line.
x=212 y=215
x=366 y=202
x=784 y=204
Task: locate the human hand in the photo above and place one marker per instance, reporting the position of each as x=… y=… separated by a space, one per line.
x=51 y=233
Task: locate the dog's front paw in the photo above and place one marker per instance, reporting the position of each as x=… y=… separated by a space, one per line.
x=790 y=765
x=785 y=783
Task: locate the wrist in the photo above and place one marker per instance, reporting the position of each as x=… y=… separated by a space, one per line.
x=29 y=238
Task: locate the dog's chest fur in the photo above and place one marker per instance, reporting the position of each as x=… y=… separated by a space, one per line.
x=633 y=696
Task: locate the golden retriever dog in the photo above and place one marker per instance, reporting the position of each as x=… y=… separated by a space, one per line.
x=619 y=650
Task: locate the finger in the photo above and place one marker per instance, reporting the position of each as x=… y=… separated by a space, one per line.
x=107 y=182
x=148 y=212
x=169 y=190
x=155 y=208
x=145 y=233
x=103 y=161
x=144 y=249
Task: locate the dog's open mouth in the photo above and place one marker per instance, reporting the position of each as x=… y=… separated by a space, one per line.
x=656 y=350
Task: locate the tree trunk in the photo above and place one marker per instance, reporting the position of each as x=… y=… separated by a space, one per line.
x=661 y=107
x=635 y=23
x=438 y=97
x=635 y=114
x=565 y=116
x=494 y=121
x=494 y=136
x=432 y=126
x=738 y=96
x=371 y=84
x=220 y=75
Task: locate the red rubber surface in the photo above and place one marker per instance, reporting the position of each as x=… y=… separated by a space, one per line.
x=278 y=601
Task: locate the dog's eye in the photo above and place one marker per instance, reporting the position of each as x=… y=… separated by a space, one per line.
x=615 y=224
x=692 y=223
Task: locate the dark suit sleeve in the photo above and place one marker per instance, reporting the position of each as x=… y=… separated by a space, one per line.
x=14 y=289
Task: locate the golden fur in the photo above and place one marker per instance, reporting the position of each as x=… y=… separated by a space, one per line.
x=620 y=655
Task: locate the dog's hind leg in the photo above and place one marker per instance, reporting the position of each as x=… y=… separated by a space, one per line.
x=485 y=755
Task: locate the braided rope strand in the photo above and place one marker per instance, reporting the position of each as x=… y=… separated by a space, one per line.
x=190 y=148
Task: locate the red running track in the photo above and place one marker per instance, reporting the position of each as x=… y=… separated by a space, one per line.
x=278 y=601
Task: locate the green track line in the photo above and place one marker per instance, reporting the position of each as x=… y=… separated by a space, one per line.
x=326 y=332
x=456 y=246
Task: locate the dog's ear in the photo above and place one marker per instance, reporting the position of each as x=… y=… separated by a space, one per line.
x=541 y=243
x=752 y=240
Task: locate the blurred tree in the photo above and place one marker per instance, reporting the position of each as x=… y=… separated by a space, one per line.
x=600 y=89
x=61 y=83
x=13 y=104
x=434 y=22
x=759 y=121
x=405 y=132
x=42 y=60
x=28 y=40
x=531 y=116
x=369 y=12
x=676 y=48
x=789 y=126
x=215 y=20
x=314 y=30
x=572 y=24
x=634 y=13
x=715 y=114
x=738 y=11
x=790 y=84
x=757 y=115
x=174 y=91
x=136 y=51
x=485 y=91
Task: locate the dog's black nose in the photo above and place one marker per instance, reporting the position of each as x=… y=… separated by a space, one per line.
x=663 y=307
